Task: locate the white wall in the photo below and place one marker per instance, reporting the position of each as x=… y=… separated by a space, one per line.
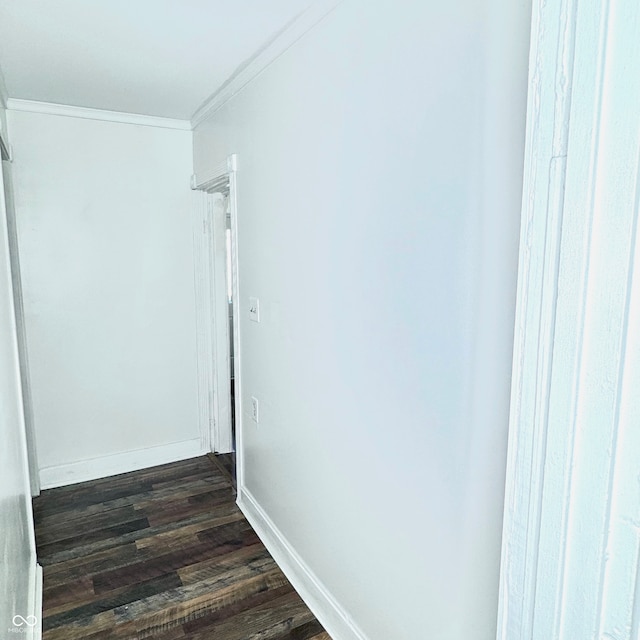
x=103 y=211
x=379 y=186
x=17 y=544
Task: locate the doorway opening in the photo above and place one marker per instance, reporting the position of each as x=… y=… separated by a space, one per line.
x=229 y=273
x=218 y=334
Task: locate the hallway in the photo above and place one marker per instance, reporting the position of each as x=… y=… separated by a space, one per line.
x=161 y=553
x=425 y=217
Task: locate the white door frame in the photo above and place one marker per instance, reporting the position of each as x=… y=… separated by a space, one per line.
x=214 y=366
x=221 y=436
x=571 y=535
x=7 y=207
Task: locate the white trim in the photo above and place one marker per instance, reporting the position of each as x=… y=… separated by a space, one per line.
x=23 y=351
x=246 y=72
x=318 y=598
x=204 y=312
x=30 y=627
x=35 y=601
x=232 y=164
x=84 y=470
x=16 y=373
x=213 y=389
x=550 y=72
x=50 y=108
x=202 y=182
x=571 y=539
x=4 y=93
x=5 y=147
x=222 y=433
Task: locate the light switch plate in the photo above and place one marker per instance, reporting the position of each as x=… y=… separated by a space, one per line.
x=254 y=309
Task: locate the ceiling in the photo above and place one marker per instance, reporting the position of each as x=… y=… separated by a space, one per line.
x=151 y=57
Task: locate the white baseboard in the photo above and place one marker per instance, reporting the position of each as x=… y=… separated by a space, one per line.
x=27 y=623
x=324 y=606
x=84 y=470
x=36 y=607
x=25 y=620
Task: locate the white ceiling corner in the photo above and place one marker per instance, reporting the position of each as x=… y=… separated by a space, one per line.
x=159 y=58
x=271 y=50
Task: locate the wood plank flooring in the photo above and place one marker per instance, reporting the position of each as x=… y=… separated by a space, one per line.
x=161 y=553
x=227 y=464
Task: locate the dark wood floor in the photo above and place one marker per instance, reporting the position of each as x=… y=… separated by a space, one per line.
x=162 y=553
x=227 y=464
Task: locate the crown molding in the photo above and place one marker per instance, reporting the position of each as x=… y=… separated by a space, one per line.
x=50 y=108
x=273 y=49
x=4 y=94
